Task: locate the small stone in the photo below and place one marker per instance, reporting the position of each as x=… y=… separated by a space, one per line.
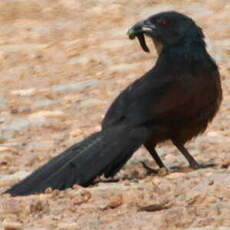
x=44 y=117
x=91 y=102
x=114 y=202
x=48 y=190
x=211 y=182
x=76 y=86
x=10 y=206
x=175 y=175
x=12 y=226
x=4 y=149
x=17 y=125
x=3 y=103
x=39 y=206
x=68 y=226
x=2 y=120
x=163 y=172
x=82 y=197
x=154 y=207
x=213 y=134
x=76 y=133
x=23 y=92
x=16 y=176
x=48 y=114
x=43 y=103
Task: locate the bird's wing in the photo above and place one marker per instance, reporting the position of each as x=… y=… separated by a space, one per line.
x=151 y=98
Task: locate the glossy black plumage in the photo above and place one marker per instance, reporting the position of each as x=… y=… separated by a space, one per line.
x=175 y=100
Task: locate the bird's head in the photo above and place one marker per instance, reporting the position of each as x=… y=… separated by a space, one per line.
x=165 y=29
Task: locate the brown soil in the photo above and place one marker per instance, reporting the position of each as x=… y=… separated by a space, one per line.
x=62 y=63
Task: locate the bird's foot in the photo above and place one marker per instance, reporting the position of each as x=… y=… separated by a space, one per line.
x=160 y=172
x=191 y=167
x=201 y=166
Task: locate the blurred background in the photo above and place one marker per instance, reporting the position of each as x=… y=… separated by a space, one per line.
x=64 y=61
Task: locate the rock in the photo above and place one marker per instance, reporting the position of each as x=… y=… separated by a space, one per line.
x=81 y=197
x=16 y=125
x=48 y=114
x=213 y=134
x=68 y=226
x=39 y=206
x=6 y=149
x=3 y=138
x=43 y=103
x=23 y=92
x=155 y=207
x=90 y=102
x=45 y=117
x=3 y=103
x=10 y=206
x=2 y=120
x=114 y=202
x=75 y=86
x=16 y=176
x=12 y=226
x=124 y=67
x=175 y=175
x=76 y=133
x=37 y=119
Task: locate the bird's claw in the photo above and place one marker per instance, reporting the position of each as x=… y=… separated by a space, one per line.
x=161 y=172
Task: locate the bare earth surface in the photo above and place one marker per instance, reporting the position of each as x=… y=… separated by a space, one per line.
x=62 y=64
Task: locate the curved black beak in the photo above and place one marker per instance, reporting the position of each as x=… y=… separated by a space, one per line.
x=139 y=30
x=142 y=27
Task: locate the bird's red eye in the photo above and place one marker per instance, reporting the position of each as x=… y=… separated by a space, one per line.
x=163 y=23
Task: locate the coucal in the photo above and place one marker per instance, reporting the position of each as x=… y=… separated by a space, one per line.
x=175 y=100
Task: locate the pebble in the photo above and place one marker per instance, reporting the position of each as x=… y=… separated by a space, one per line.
x=3 y=103
x=16 y=125
x=2 y=120
x=6 y=149
x=12 y=226
x=114 y=202
x=47 y=114
x=23 y=92
x=68 y=226
x=43 y=103
x=75 y=86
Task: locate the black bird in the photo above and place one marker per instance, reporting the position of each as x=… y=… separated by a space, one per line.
x=175 y=100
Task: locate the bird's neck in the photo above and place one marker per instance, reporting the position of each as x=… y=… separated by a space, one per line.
x=185 y=56
x=186 y=49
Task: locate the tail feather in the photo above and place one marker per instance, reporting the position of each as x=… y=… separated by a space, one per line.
x=114 y=167
x=104 y=152
x=50 y=167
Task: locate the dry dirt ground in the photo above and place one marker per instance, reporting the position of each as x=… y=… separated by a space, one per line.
x=62 y=63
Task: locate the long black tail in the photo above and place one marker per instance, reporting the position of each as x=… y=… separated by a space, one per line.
x=104 y=152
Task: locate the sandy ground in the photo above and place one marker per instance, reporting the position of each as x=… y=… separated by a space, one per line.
x=62 y=63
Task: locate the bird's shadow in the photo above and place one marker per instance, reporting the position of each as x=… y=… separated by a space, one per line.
x=156 y=172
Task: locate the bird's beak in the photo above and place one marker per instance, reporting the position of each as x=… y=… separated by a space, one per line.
x=139 y=30
x=142 y=27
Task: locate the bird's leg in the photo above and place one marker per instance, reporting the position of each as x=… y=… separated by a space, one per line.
x=192 y=162
x=151 y=149
x=155 y=156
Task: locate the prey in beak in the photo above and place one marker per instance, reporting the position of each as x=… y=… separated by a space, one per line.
x=140 y=29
